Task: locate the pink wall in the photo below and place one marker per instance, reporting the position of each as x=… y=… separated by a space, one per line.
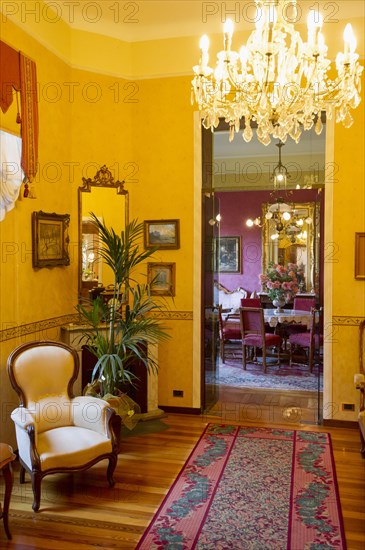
x=235 y=208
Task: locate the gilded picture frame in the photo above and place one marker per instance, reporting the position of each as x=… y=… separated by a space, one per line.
x=161 y=278
x=50 y=239
x=359 y=255
x=165 y=234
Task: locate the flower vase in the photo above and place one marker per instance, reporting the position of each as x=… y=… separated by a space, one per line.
x=279 y=303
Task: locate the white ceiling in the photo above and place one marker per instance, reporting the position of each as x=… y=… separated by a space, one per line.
x=140 y=20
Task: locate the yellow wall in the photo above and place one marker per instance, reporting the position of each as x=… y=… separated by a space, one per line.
x=144 y=129
x=29 y=295
x=348 y=293
x=163 y=149
x=24 y=291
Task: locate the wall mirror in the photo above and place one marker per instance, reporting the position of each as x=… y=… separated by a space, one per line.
x=295 y=245
x=109 y=201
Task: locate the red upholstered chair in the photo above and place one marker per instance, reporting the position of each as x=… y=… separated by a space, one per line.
x=308 y=341
x=250 y=302
x=256 y=302
x=254 y=335
x=229 y=330
x=304 y=304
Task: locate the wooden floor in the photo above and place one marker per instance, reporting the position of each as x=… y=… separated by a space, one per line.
x=81 y=511
x=268 y=405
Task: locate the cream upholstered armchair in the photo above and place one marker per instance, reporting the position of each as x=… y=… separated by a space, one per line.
x=55 y=431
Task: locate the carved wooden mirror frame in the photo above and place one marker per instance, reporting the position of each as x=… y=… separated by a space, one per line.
x=102 y=179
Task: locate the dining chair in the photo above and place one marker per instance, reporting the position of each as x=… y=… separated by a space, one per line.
x=229 y=329
x=308 y=341
x=250 y=302
x=304 y=304
x=254 y=335
x=256 y=302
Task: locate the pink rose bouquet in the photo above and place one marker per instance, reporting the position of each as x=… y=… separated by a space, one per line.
x=280 y=282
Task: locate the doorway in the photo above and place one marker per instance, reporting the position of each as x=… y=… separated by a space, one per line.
x=242 y=173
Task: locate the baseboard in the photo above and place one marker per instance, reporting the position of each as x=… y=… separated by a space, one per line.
x=180 y=410
x=348 y=424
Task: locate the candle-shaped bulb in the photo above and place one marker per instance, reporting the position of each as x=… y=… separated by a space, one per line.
x=314 y=20
x=228 y=32
x=228 y=27
x=259 y=18
x=272 y=16
x=204 y=46
x=321 y=42
x=349 y=39
x=204 y=43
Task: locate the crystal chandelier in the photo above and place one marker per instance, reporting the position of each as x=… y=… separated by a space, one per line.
x=277 y=83
x=285 y=218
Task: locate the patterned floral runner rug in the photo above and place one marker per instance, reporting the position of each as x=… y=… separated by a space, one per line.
x=252 y=488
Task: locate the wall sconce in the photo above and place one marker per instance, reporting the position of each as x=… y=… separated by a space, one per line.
x=216 y=220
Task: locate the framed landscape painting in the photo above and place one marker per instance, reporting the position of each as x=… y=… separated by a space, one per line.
x=161 y=277
x=162 y=233
x=228 y=254
x=50 y=239
x=359 y=255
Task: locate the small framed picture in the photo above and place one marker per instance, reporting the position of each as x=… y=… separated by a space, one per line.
x=50 y=239
x=228 y=254
x=162 y=233
x=359 y=255
x=161 y=277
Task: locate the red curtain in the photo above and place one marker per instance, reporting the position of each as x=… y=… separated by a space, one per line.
x=19 y=72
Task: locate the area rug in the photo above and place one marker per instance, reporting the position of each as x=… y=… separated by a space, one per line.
x=252 y=488
x=283 y=377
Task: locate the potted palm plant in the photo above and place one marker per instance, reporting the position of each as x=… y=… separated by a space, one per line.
x=119 y=336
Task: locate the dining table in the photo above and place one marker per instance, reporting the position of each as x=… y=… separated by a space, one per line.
x=273 y=317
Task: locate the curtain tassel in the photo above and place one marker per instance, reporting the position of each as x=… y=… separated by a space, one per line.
x=18 y=117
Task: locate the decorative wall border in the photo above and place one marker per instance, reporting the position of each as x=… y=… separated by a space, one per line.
x=346 y=320
x=173 y=315
x=39 y=326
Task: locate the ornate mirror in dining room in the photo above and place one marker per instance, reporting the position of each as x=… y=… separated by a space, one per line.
x=109 y=201
x=297 y=242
